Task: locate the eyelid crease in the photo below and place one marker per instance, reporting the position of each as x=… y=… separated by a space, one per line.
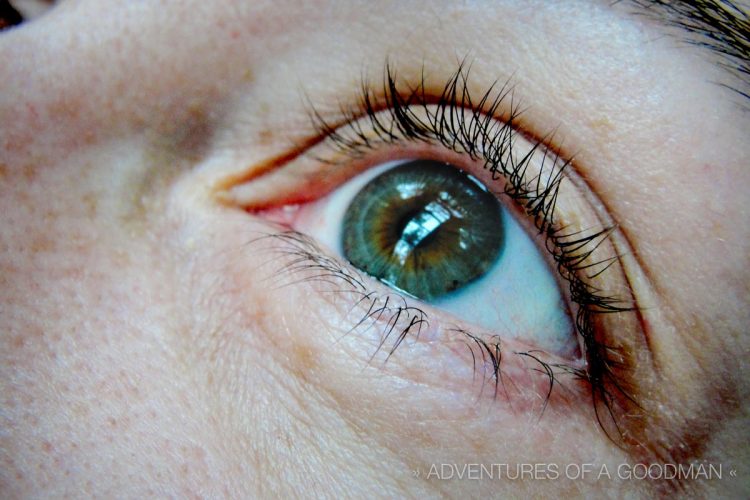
x=228 y=190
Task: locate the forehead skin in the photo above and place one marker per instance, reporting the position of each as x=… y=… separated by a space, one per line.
x=113 y=376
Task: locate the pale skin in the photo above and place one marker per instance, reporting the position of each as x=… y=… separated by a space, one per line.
x=145 y=350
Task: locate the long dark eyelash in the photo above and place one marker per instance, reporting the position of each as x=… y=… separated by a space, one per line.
x=480 y=130
x=306 y=262
x=303 y=258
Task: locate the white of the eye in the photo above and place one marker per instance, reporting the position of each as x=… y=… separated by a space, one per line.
x=518 y=298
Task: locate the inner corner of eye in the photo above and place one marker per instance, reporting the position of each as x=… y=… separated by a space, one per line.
x=431 y=231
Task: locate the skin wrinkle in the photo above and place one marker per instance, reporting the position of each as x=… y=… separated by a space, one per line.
x=626 y=248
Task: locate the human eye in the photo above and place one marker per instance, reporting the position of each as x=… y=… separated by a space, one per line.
x=435 y=233
x=435 y=217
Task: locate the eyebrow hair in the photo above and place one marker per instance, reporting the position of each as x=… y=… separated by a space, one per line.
x=721 y=26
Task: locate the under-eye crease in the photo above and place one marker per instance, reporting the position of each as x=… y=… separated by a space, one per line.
x=485 y=130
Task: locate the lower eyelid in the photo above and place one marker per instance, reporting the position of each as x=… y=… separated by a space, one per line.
x=416 y=342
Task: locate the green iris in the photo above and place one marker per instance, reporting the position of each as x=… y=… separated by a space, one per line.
x=423 y=227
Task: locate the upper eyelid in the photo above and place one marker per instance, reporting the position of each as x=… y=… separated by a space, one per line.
x=337 y=116
x=339 y=127
x=418 y=95
x=539 y=188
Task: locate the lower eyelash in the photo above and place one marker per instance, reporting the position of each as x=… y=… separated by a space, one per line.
x=304 y=258
x=301 y=258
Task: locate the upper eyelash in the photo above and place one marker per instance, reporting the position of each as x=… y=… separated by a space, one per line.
x=487 y=138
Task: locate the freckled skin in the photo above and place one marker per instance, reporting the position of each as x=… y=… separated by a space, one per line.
x=147 y=348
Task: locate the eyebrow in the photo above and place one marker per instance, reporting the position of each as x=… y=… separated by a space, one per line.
x=720 y=26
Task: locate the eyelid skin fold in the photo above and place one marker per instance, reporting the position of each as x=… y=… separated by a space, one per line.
x=448 y=125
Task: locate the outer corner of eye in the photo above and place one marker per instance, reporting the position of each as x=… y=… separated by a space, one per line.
x=434 y=233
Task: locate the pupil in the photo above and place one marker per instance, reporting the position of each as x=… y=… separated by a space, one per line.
x=423 y=227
